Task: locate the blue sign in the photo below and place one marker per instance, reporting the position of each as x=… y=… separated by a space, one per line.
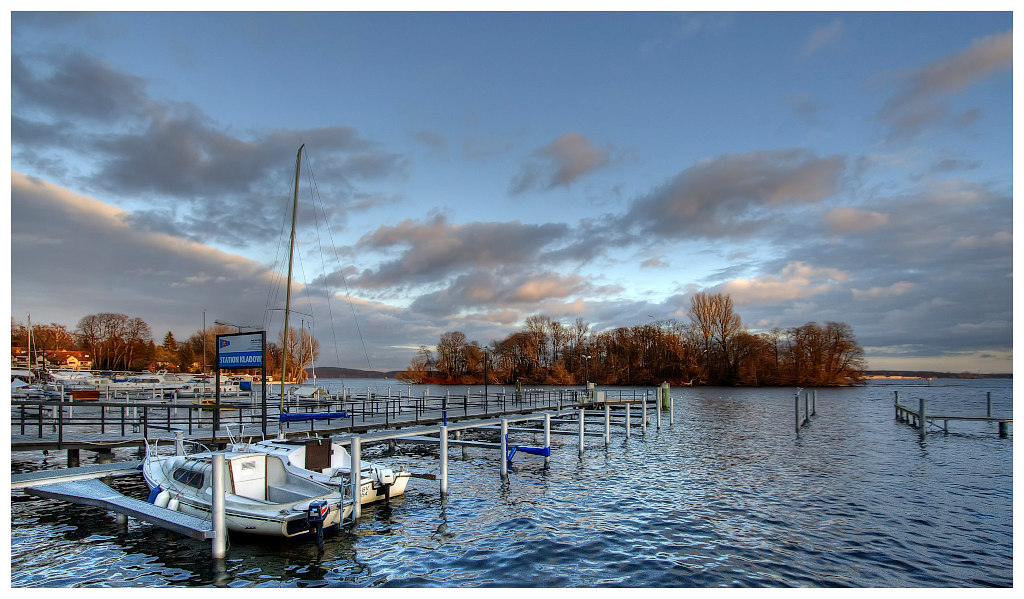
x=244 y=350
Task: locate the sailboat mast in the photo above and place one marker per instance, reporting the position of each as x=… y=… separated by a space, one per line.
x=288 y=288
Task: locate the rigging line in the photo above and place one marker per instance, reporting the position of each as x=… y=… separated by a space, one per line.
x=323 y=264
x=348 y=295
x=273 y=291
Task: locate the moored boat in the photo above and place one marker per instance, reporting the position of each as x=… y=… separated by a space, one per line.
x=329 y=463
x=262 y=496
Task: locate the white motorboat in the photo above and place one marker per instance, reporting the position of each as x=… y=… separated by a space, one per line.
x=204 y=386
x=149 y=382
x=262 y=495
x=329 y=463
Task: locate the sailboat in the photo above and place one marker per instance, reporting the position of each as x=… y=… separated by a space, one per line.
x=325 y=462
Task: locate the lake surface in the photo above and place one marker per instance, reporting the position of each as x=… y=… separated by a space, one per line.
x=727 y=496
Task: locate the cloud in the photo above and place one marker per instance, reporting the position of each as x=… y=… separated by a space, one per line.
x=822 y=36
x=164 y=279
x=734 y=195
x=171 y=156
x=920 y=101
x=894 y=290
x=797 y=280
x=559 y=164
x=845 y=219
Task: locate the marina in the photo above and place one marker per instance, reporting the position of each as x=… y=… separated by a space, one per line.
x=740 y=500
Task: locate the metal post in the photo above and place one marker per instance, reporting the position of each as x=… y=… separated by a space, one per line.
x=582 y=427
x=547 y=437
x=444 y=460
x=607 y=425
x=896 y=404
x=671 y=409
x=179 y=443
x=356 y=478
x=504 y=448
x=629 y=424
x=814 y=402
x=644 y=421
x=220 y=530
x=989 y=411
x=922 y=422
x=807 y=410
x=796 y=408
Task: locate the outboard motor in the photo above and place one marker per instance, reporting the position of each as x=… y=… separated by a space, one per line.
x=315 y=516
x=385 y=478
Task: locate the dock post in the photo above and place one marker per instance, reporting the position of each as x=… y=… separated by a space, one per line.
x=356 y=481
x=671 y=407
x=922 y=422
x=607 y=425
x=582 y=427
x=1004 y=430
x=796 y=408
x=547 y=437
x=989 y=411
x=444 y=460
x=814 y=402
x=629 y=424
x=504 y=448
x=807 y=407
x=179 y=443
x=644 y=421
x=220 y=530
x=896 y=404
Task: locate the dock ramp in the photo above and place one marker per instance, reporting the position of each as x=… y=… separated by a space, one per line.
x=94 y=493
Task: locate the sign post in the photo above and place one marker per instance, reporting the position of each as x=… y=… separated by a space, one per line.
x=238 y=351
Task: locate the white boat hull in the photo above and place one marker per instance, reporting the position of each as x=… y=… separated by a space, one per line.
x=272 y=509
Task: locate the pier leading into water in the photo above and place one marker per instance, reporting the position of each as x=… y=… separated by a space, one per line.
x=922 y=419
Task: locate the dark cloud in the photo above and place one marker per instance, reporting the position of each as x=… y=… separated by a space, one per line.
x=174 y=156
x=733 y=196
x=434 y=250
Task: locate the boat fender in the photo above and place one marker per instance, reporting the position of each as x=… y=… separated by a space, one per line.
x=173 y=504
x=162 y=498
x=152 y=494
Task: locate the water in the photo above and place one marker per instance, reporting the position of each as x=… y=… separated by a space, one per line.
x=728 y=496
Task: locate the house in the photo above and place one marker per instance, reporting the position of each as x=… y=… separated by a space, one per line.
x=64 y=359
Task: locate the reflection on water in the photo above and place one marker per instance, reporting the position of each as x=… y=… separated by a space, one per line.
x=727 y=496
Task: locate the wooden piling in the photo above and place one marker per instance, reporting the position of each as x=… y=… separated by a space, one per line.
x=988 y=412
x=922 y=421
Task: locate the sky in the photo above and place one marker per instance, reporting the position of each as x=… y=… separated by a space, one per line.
x=464 y=171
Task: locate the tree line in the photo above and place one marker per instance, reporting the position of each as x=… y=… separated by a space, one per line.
x=711 y=348
x=119 y=342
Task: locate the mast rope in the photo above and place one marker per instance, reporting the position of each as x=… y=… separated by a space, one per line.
x=315 y=192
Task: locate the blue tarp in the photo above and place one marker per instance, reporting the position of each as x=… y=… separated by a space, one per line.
x=312 y=416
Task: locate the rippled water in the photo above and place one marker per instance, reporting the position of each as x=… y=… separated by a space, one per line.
x=726 y=496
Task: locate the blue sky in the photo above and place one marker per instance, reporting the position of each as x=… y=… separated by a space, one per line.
x=474 y=169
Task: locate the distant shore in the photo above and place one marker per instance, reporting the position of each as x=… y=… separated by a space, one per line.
x=355 y=373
